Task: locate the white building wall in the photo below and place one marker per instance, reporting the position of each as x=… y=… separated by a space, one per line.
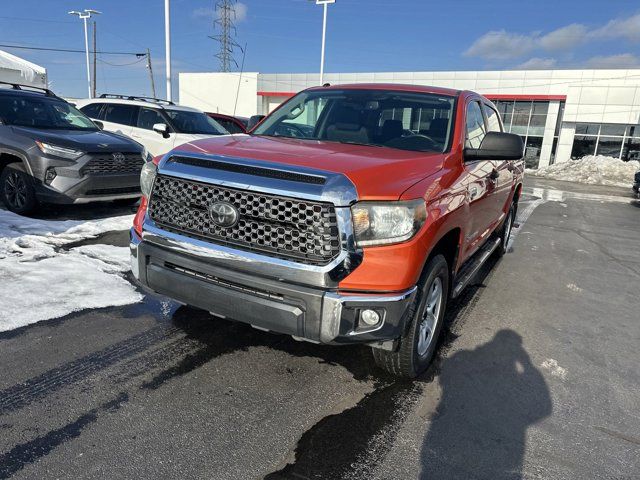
x=217 y=92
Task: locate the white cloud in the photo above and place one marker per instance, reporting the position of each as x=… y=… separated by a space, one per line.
x=564 y=38
x=207 y=13
x=501 y=45
x=504 y=45
x=624 y=60
x=538 y=64
x=628 y=28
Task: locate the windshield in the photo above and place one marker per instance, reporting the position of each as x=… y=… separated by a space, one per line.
x=194 y=123
x=403 y=120
x=42 y=112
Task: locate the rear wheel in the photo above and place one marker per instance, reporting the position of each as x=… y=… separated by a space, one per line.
x=16 y=189
x=418 y=344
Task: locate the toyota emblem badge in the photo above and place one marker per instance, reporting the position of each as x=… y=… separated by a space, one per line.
x=223 y=214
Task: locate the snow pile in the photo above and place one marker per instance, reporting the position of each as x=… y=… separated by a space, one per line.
x=593 y=170
x=40 y=280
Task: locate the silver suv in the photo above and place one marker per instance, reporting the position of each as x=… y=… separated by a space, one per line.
x=159 y=125
x=52 y=153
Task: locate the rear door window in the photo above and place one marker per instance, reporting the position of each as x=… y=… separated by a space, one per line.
x=122 y=114
x=148 y=117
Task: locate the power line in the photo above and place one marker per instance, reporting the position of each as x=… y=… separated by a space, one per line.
x=70 y=50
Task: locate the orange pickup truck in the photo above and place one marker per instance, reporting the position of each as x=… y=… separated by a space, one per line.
x=351 y=214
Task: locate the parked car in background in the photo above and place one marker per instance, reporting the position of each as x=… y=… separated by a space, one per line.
x=230 y=123
x=159 y=125
x=50 y=152
x=636 y=184
x=351 y=214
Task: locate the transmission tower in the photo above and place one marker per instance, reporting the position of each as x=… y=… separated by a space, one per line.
x=225 y=17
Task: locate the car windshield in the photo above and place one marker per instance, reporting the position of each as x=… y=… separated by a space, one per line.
x=402 y=120
x=194 y=122
x=42 y=112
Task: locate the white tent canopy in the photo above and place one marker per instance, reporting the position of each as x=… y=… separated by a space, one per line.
x=17 y=70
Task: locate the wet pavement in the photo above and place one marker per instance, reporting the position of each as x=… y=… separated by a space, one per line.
x=536 y=376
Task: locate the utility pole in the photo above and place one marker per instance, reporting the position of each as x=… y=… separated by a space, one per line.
x=167 y=47
x=95 y=61
x=225 y=11
x=150 y=67
x=84 y=16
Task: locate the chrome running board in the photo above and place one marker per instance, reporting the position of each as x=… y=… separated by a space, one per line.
x=473 y=265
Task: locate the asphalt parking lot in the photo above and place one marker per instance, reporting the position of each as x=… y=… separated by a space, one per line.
x=536 y=377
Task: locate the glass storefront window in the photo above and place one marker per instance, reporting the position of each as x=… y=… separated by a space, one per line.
x=537 y=124
x=614 y=130
x=532 y=152
x=631 y=149
x=540 y=108
x=583 y=146
x=609 y=146
x=587 y=128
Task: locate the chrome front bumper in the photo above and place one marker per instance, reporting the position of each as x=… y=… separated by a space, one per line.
x=266 y=292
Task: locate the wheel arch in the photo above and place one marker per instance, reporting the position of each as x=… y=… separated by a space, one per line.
x=11 y=156
x=448 y=245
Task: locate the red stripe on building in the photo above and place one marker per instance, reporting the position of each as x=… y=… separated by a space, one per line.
x=276 y=94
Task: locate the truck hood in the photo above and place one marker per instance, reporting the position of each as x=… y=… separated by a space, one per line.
x=377 y=172
x=87 y=141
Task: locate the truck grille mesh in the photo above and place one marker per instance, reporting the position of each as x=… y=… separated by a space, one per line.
x=106 y=164
x=277 y=226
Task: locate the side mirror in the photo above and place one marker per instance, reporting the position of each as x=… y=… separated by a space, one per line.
x=253 y=121
x=497 y=146
x=162 y=129
x=99 y=124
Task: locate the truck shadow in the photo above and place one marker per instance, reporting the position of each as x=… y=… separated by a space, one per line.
x=490 y=396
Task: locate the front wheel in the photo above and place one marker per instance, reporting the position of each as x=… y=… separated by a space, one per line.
x=426 y=315
x=505 y=231
x=16 y=189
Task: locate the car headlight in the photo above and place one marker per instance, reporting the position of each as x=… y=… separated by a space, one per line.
x=58 y=151
x=146 y=156
x=378 y=223
x=147 y=176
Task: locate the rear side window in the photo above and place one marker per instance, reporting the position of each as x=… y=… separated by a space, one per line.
x=229 y=125
x=493 y=120
x=475 y=126
x=93 y=110
x=148 y=117
x=122 y=114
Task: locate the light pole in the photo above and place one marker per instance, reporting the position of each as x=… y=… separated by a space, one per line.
x=325 y=4
x=167 y=47
x=86 y=15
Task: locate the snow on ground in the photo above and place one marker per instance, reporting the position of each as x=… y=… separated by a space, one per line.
x=593 y=170
x=41 y=280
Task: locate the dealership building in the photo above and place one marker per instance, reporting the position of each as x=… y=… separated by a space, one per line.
x=560 y=114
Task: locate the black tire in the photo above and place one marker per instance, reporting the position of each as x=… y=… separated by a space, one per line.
x=407 y=361
x=125 y=202
x=505 y=230
x=17 y=189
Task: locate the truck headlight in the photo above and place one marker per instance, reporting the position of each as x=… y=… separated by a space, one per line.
x=147 y=176
x=378 y=223
x=58 y=151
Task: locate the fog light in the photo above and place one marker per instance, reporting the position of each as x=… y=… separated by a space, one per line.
x=370 y=317
x=50 y=175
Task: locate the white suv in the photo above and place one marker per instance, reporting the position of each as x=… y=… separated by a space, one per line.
x=159 y=125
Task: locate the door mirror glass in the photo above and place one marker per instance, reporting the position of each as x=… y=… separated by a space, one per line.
x=253 y=121
x=497 y=146
x=162 y=129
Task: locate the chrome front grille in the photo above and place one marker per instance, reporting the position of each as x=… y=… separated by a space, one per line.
x=106 y=164
x=283 y=227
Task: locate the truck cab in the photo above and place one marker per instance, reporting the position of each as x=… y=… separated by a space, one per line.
x=351 y=214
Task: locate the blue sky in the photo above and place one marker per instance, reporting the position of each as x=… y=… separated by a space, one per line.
x=363 y=35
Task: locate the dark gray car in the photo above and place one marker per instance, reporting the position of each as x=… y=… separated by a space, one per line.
x=50 y=152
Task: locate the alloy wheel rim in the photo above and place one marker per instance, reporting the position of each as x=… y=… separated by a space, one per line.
x=16 y=190
x=430 y=316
